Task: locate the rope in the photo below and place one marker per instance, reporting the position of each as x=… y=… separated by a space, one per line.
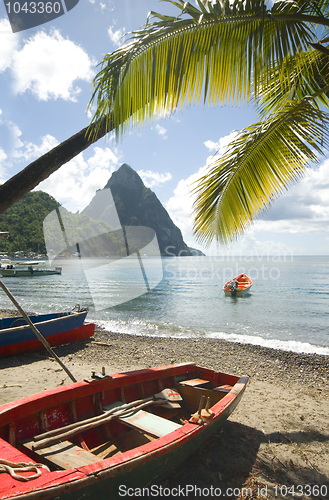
x=12 y=468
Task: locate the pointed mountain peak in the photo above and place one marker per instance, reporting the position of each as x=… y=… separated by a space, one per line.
x=136 y=205
x=125 y=176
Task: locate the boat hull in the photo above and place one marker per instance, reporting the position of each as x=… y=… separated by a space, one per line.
x=18 y=273
x=240 y=293
x=140 y=466
x=17 y=337
x=80 y=333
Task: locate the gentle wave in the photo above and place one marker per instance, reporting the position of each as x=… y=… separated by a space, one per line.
x=140 y=328
x=282 y=345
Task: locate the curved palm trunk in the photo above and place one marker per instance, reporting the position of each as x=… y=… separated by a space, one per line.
x=37 y=171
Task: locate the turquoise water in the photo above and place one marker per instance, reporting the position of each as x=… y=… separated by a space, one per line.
x=287 y=308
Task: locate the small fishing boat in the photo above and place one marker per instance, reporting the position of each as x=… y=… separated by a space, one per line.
x=102 y=436
x=27 y=268
x=17 y=337
x=238 y=287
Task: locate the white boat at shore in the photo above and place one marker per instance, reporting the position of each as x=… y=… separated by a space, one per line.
x=27 y=268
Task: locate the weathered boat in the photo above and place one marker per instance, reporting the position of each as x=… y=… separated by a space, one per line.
x=238 y=286
x=17 y=337
x=100 y=437
x=9 y=269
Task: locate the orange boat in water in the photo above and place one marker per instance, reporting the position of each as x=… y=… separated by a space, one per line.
x=238 y=287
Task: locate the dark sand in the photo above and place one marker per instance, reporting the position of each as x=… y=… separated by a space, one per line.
x=278 y=436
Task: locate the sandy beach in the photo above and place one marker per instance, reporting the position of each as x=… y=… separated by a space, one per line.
x=275 y=445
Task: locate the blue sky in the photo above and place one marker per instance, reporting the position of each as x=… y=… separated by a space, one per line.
x=45 y=86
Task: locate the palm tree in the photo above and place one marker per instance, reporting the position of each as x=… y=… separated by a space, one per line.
x=217 y=53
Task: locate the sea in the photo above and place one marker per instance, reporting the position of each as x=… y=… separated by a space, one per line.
x=287 y=307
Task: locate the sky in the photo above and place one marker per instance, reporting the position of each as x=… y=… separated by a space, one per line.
x=46 y=77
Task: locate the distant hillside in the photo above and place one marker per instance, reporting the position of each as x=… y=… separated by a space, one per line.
x=138 y=205
x=24 y=222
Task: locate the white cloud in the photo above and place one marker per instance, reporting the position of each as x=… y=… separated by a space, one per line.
x=3 y=155
x=304 y=208
x=75 y=183
x=116 y=36
x=180 y=205
x=3 y=158
x=108 y=4
x=221 y=144
x=48 y=65
x=8 y=45
x=161 y=131
x=29 y=151
x=152 y=179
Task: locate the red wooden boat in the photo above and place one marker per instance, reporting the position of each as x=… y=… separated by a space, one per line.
x=101 y=436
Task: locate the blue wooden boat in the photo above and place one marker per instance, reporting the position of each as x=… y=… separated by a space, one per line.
x=17 y=337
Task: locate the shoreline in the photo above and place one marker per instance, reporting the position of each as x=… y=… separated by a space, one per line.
x=129 y=351
x=278 y=435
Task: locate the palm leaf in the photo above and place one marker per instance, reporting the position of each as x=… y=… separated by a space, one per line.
x=263 y=161
x=308 y=76
x=218 y=52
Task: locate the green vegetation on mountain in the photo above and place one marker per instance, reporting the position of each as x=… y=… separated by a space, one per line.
x=24 y=222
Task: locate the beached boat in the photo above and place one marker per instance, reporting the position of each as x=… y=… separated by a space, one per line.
x=101 y=437
x=17 y=337
x=27 y=268
x=238 y=287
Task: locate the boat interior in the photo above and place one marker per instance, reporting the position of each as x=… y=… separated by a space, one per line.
x=109 y=415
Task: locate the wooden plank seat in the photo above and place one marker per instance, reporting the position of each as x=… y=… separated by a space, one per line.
x=196 y=382
x=64 y=454
x=145 y=421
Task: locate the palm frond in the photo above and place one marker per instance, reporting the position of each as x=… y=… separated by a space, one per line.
x=218 y=52
x=307 y=76
x=263 y=161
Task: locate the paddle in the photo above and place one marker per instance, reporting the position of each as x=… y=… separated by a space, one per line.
x=55 y=435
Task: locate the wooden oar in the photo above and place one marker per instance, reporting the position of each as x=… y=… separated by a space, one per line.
x=36 y=331
x=90 y=420
x=51 y=437
x=86 y=427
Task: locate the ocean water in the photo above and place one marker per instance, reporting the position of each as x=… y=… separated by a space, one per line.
x=287 y=307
